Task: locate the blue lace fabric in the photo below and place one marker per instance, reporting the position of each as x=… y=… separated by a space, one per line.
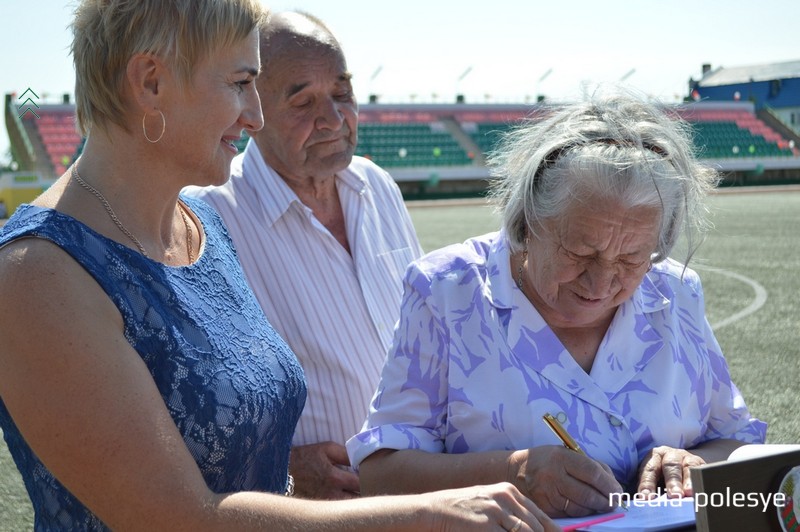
x=233 y=387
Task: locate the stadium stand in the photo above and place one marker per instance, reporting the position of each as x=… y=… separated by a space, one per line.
x=409 y=145
x=735 y=133
x=56 y=130
x=45 y=142
x=439 y=150
x=772 y=88
x=487 y=135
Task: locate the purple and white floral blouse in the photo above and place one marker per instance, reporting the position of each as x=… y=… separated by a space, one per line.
x=474 y=367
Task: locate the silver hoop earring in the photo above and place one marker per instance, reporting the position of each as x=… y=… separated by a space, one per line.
x=163 y=127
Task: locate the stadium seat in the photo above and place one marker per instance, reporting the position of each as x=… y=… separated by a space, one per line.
x=409 y=145
x=724 y=133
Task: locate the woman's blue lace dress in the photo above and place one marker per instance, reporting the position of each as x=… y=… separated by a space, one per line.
x=232 y=385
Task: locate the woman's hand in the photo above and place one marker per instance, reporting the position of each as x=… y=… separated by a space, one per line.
x=670 y=466
x=562 y=482
x=495 y=507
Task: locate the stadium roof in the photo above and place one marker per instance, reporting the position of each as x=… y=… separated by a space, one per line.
x=745 y=74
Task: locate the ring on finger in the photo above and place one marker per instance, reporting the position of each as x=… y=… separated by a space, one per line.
x=517 y=526
x=566 y=504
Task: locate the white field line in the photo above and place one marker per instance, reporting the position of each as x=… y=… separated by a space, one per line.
x=757 y=303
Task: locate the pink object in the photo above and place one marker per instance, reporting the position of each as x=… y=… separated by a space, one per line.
x=595 y=521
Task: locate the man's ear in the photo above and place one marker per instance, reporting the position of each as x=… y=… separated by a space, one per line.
x=147 y=78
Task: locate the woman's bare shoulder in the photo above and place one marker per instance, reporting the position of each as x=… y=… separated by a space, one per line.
x=27 y=258
x=42 y=285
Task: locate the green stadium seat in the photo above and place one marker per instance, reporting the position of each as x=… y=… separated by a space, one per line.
x=721 y=139
x=408 y=145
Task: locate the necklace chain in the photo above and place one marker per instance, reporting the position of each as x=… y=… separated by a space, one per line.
x=189 y=244
x=107 y=206
x=96 y=193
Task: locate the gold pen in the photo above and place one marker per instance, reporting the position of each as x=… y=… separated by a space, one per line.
x=562 y=434
x=569 y=442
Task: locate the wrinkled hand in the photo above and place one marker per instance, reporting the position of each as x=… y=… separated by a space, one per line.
x=670 y=466
x=562 y=482
x=481 y=508
x=318 y=474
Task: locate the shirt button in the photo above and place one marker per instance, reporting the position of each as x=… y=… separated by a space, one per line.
x=615 y=422
x=561 y=417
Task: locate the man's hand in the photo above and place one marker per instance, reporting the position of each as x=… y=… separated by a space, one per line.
x=319 y=472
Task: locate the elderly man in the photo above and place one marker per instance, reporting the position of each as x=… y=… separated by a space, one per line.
x=324 y=238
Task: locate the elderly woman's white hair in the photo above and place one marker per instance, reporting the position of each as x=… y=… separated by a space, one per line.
x=612 y=146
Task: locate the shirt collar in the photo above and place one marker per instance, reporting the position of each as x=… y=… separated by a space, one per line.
x=275 y=195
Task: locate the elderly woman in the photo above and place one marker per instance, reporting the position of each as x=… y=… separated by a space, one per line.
x=141 y=385
x=573 y=309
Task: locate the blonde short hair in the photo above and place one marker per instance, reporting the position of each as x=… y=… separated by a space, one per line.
x=107 y=33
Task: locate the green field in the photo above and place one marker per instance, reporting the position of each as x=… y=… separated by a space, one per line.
x=751 y=257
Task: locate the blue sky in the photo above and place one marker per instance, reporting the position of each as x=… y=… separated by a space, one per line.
x=496 y=51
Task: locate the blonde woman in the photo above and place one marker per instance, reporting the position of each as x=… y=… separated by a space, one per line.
x=141 y=385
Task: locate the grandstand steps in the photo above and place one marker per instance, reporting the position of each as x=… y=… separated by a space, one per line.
x=464 y=140
x=21 y=147
x=41 y=161
x=771 y=120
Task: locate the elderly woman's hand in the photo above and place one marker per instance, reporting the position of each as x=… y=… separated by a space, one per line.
x=671 y=466
x=562 y=482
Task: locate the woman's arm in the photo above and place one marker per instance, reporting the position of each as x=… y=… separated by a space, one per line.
x=83 y=399
x=389 y=471
x=497 y=507
x=86 y=404
x=548 y=475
